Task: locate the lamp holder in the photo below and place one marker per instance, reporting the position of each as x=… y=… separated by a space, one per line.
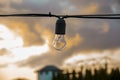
x=60 y=27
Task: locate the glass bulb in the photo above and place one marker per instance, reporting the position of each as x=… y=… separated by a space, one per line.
x=59 y=42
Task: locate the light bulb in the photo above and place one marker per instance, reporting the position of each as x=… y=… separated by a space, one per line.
x=59 y=42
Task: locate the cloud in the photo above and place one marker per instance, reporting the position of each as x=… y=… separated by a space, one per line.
x=13 y=46
x=91 y=9
x=8 y=38
x=52 y=57
x=3 y=65
x=5 y=6
x=115 y=7
x=82 y=35
x=8 y=2
x=58 y=7
x=109 y=56
x=3 y=51
x=26 y=30
x=73 y=41
x=11 y=72
x=42 y=6
x=2 y=76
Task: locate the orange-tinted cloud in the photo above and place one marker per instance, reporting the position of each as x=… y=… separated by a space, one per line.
x=90 y=9
x=73 y=41
x=105 y=28
x=85 y=36
x=26 y=31
x=3 y=52
x=44 y=31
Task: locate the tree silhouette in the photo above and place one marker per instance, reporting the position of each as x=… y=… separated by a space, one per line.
x=67 y=76
x=74 y=75
x=80 y=76
x=99 y=74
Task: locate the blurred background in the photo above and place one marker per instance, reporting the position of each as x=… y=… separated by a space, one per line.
x=25 y=43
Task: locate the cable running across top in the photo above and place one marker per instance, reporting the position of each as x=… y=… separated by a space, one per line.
x=92 y=16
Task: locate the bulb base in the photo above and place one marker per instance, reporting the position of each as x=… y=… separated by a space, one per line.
x=60 y=27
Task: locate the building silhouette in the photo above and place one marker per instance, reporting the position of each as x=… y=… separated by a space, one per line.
x=48 y=72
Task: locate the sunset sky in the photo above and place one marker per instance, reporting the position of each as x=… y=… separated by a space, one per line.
x=25 y=43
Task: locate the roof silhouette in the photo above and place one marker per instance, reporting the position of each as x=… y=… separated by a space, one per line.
x=49 y=68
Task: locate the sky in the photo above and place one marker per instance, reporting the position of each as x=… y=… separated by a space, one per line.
x=26 y=43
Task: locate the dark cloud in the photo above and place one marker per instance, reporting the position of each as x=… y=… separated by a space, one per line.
x=56 y=7
x=115 y=7
x=35 y=61
x=38 y=6
x=51 y=58
x=1 y=5
x=94 y=39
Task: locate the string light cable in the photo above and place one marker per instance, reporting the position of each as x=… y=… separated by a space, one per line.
x=59 y=42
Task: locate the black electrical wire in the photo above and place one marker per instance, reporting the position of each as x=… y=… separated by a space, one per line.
x=94 y=16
